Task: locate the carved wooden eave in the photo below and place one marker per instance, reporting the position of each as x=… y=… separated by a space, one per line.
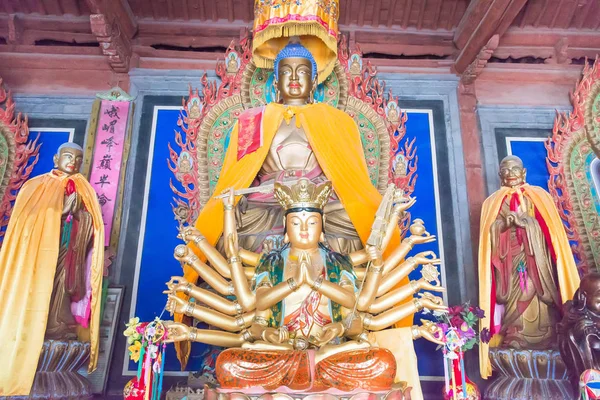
x=114 y=25
x=483 y=20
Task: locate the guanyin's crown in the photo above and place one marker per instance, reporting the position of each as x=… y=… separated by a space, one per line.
x=303 y=194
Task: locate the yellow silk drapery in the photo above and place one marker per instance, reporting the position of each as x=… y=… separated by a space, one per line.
x=566 y=270
x=27 y=265
x=335 y=140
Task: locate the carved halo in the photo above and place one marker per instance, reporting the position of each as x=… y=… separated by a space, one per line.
x=570 y=155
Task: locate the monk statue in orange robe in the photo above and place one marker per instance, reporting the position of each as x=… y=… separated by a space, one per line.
x=299 y=322
x=526 y=268
x=51 y=268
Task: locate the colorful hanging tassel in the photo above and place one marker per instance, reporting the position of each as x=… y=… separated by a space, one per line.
x=446 y=377
x=462 y=375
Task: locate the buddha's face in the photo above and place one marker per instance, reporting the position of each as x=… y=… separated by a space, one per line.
x=590 y=288
x=294 y=81
x=304 y=229
x=512 y=172
x=68 y=160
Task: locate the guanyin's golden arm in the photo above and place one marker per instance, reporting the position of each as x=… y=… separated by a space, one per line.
x=245 y=296
x=211 y=317
x=180 y=285
x=418 y=236
x=397 y=295
x=230 y=230
x=336 y=293
x=398 y=313
x=372 y=281
x=394 y=277
x=250 y=258
x=191 y=235
x=179 y=332
x=209 y=275
x=267 y=297
x=361 y=256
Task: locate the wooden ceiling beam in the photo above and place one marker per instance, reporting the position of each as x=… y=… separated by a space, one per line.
x=28 y=29
x=114 y=25
x=482 y=20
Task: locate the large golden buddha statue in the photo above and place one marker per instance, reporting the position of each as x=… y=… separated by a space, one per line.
x=526 y=269
x=51 y=268
x=298 y=311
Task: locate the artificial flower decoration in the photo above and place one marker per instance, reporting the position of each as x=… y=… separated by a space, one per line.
x=134 y=351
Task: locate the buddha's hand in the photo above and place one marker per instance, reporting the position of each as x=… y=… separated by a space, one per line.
x=353 y=324
x=179 y=284
x=374 y=255
x=176 y=332
x=301 y=273
x=426 y=257
x=430 y=302
x=423 y=284
x=174 y=303
x=429 y=331
x=190 y=234
x=72 y=204
x=330 y=332
x=402 y=202
x=229 y=200
x=426 y=237
x=275 y=336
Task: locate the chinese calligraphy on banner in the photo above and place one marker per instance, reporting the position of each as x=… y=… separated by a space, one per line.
x=108 y=155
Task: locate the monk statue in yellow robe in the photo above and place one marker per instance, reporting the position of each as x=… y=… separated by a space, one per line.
x=51 y=267
x=526 y=268
x=299 y=322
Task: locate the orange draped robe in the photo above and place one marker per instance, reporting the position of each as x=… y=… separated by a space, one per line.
x=27 y=265
x=568 y=276
x=335 y=140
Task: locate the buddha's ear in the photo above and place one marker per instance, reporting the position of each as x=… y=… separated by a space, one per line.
x=322 y=238
x=286 y=238
x=55 y=159
x=580 y=299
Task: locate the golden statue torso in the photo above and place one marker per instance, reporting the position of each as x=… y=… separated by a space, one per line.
x=289 y=151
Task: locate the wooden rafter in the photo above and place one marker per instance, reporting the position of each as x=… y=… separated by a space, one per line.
x=391 y=13
x=421 y=16
x=406 y=15
x=451 y=16
x=230 y=9
x=482 y=20
x=376 y=12
x=361 y=13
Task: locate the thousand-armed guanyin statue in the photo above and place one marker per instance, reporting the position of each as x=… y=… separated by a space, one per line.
x=51 y=268
x=301 y=320
x=291 y=138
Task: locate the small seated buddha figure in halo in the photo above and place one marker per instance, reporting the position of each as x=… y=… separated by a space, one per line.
x=299 y=321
